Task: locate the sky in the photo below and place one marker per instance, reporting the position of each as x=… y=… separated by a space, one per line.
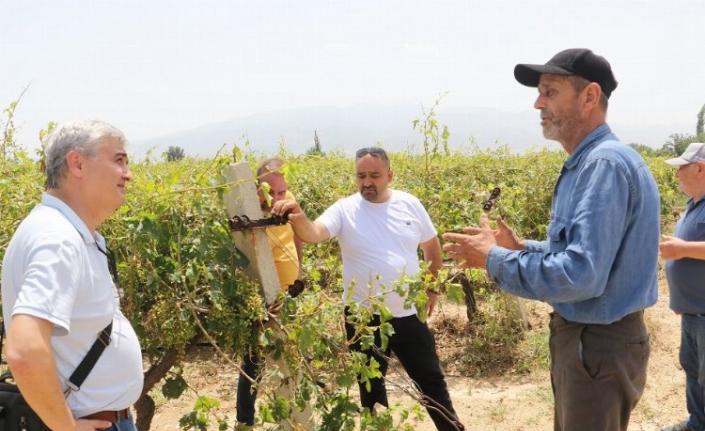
x=152 y=67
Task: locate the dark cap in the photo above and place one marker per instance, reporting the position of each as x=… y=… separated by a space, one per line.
x=575 y=61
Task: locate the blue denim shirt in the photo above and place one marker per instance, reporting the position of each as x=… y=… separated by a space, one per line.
x=600 y=261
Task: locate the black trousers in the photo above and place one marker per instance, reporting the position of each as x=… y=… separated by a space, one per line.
x=246 y=394
x=415 y=347
x=598 y=372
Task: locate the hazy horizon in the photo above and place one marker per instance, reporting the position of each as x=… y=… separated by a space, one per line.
x=361 y=125
x=159 y=67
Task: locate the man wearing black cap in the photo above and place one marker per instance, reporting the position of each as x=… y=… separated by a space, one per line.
x=598 y=267
x=685 y=270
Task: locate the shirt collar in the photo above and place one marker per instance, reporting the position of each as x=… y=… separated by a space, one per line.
x=692 y=204
x=587 y=144
x=73 y=218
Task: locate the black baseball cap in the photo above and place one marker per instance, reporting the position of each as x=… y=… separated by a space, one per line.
x=574 y=61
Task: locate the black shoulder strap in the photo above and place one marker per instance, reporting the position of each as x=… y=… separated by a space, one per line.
x=84 y=368
x=89 y=361
x=91 y=358
x=2 y=334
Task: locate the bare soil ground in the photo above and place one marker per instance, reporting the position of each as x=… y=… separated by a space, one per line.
x=507 y=402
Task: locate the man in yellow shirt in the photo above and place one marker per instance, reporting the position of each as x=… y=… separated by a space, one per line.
x=286 y=247
x=287 y=250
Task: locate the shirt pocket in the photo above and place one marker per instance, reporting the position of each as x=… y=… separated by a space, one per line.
x=700 y=231
x=557 y=236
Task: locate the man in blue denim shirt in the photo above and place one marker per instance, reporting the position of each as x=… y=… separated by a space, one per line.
x=598 y=267
x=685 y=270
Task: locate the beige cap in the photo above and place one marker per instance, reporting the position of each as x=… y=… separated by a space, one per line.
x=694 y=153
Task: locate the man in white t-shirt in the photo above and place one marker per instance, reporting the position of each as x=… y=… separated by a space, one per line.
x=57 y=289
x=379 y=231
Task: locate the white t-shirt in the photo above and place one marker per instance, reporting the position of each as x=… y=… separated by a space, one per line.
x=379 y=244
x=54 y=270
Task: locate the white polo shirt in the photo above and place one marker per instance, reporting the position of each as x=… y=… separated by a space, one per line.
x=379 y=243
x=53 y=270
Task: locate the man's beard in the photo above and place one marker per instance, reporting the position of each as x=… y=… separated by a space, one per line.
x=559 y=128
x=369 y=197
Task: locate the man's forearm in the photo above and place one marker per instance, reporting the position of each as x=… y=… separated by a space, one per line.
x=307 y=230
x=433 y=267
x=433 y=255
x=31 y=359
x=42 y=391
x=694 y=250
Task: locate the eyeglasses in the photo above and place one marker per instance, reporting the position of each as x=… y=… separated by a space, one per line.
x=371 y=150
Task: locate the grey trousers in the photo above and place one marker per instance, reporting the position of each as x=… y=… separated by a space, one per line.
x=598 y=372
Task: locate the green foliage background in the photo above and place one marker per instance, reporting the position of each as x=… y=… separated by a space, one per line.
x=182 y=274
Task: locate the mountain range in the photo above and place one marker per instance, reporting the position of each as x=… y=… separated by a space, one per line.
x=353 y=127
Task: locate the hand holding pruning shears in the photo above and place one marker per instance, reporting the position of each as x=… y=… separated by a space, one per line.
x=472 y=246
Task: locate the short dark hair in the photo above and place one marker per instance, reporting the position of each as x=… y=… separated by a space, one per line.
x=375 y=152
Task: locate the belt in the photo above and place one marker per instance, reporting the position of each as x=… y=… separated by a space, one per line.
x=109 y=415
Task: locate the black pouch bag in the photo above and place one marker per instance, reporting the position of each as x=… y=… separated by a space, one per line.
x=15 y=413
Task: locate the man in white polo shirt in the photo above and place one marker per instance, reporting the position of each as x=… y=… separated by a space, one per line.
x=58 y=293
x=380 y=231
